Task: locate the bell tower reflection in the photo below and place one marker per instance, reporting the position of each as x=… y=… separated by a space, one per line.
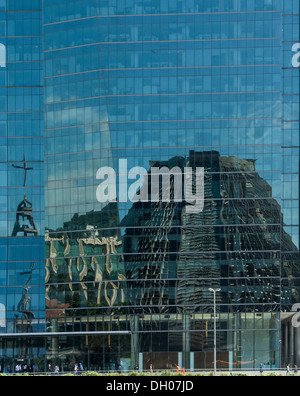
x=24 y=209
x=24 y=323
x=24 y=212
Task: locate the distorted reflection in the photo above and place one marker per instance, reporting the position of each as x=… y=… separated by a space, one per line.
x=169 y=257
x=89 y=262
x=151 y=270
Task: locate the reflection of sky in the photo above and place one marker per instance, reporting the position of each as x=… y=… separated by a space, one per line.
x=81 y=191
x=254 y=138
x=2 y=55
x=294 y=233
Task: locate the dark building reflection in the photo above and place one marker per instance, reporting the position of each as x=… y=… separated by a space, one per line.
x=153 y=277
x=234 y=243
x=173 y=257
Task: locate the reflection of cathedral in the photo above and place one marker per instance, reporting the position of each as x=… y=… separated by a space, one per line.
x=173 y=257
x=151 y=243
x=163 y=264
x=234 y=243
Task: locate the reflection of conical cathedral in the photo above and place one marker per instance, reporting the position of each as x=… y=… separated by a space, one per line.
x=236 y=239
x=153 y=238
x=234 y=243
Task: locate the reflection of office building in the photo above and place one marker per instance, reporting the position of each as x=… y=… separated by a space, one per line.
x=151 y=246
x=180 y=83
x=89 y=262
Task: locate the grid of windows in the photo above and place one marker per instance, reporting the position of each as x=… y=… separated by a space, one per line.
x=165 y=83
x=175 y=84
x=22 y=244
x=290 y=171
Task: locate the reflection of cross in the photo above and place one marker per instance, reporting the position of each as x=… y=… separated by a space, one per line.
x=32 y=265
x=24 y=167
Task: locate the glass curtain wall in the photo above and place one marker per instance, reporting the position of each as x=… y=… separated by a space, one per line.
x=167 y=83
x=132 y=85
x=290 y=181
x=22 y=242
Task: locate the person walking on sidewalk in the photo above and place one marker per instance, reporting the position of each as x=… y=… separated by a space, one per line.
x=261 y=368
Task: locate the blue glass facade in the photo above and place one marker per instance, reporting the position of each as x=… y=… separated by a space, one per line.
x=22 y=242
x=191 y=83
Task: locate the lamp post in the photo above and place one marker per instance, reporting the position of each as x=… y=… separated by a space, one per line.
x=215 y=291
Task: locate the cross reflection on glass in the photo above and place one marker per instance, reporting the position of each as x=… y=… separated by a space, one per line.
x=24 y=167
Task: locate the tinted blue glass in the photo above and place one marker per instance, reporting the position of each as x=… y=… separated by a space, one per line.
x=132 y=85
x=173 y=84
x=22 y=255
